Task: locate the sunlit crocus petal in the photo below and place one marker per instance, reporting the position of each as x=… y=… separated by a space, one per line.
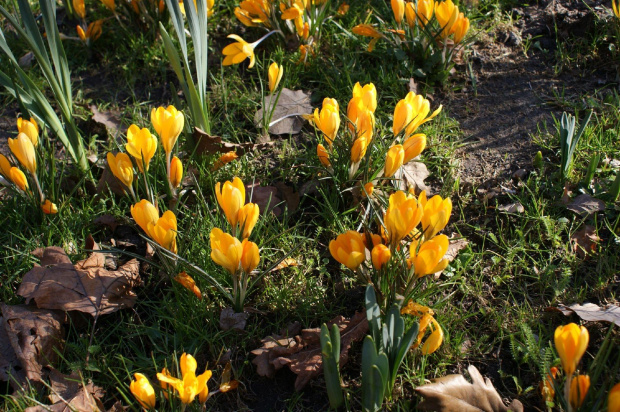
x=30 y=128
x=49 y=208
x=23 y=149
x=361 y=119
x=254 y=12
x=380 y=255
x=144 y=213
x=224 y=160
x=410 y=15
x=578 y=390
x=420 y=108
x=368 y=94
x=190 y=385
x=328 y=119
x=141 y=388
x=368 y=189
x=248 y=216
x=398 y=8
x=79 y=8
x=81 y=33
x=348 y=249
x=164 y=231
x=121 y=167
x=187 y=364
x=446 y=14
x=188 y=283
x=394 y=160
x=437 y=213
x=176 y=172
x=231 y=198
x=226 y=250
x=141 y=144
x=239 y=51
x=613 y=402
x=358 y=151
x=434 y=341
x=425 y=11
x=414 y=146
x=168 y=124
x=110 y=4
x=571 y=342
x=366 y=30
x=403 y=115
x=323 y=155
x=18 y=178
x=402 y=216
x=5 y=167
x=428 y=259
x=275 y=75
x=460 y=28
x=250 y=256
x=204 y=393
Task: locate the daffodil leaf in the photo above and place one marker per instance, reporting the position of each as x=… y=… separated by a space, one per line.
x=453 y=393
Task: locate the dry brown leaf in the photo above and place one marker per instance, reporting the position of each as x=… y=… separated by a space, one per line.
x=291 y=105
x=231 y=320
x=456 y=245
x=585 y=205
x=414 y=174
x=302 y=353
x=26 y=60
x=109 y=181
x=272 y=198
x=110 y=120
x=85 y=287
x=69 y=394
x=512 y=208
x=207 y=144
x=593 y=313
x=30 y=339
x=584 y=241
x=566 y=194
x=453 y=393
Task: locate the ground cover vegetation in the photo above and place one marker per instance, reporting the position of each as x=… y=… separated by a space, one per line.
x=309 y=205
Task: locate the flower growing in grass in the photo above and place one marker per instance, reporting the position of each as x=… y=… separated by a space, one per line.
x=328 y=119
x=5 y=167
x=275 y=75
x=380 y=256
x=348 y=249
x=247 y=218
x=414 y=146
x=547 y=388
x=121 y=168
x=426 y=322
x=368 y=31
x=23 y=150
x=168 y=124
x=190 y=385
x=110 y=4
x=164 y=231
x=571 y=342
x=144 y=213
x=460 y=28
x=141 y=388
x=254 y=12
x=237 y=52
x=142 y=145
x=402 y=215
x=446 y=13
x=323 y=155
x=427 y=258
x=79 y=8
x=394 y=160
x=578 y=390
x=231 y=197
x=368 y=94
x=398 y=8
x=224 y=160
x=436 y=215
x=30 y=128
x=92 y=33
x=176 y=172
x=19 y=179
x=49 y=208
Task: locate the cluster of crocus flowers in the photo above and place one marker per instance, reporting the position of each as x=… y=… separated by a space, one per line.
x=24 y=151
x=163 y=230
x=142 y=145
x=187 y=388
x=236 y=253
x=253 y=13
x=427 y=322
x=451 y=21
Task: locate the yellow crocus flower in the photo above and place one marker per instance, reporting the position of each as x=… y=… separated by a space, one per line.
x=121 y=167
x=368 y=94
x=231 y=198
x=460 y=28
x=446 y=14
x=571 y=342
x=247 y=218
x=323 y=155
x=275 y=75
x=168 y=124
x=23 y=149
x=19 y=179
x=226 y=250
x=578 y=390
x=164 y=231
x=328 y=120
x=250 y=256
x=437 y=213
x=394 y=160
x=144 y=213
x=190 y=385
x=49 y=208
x=414 y=146
x=30 y=128
x=5 y=167
x=401 y=217
x=358 y=151
x=142 y=145
x=380 y=255
x=398 y=8
x=176 y=172
x=613 y=400
x=141 y=388
x=429 y=257
x=79 y=8
x=348 y=249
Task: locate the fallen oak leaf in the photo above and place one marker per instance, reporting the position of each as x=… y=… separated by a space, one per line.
x=585 y=205
x=110 y=120
x=207 y=144
x=413 y=175
x=85 y=287
x=35 y=338
x=272 y=198
x=593 y=313
x=453 y=393
x=287 y=115
x=302 y=354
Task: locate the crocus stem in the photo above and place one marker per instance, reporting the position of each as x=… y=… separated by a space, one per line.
x=257 y=42
x=36 y=181
x=567 y=392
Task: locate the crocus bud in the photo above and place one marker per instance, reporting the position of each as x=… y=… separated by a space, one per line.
x=141 y=144
x=571 y=342
x=359 y=149
x=176 y=172
x=368 y=94
x=23 y=149
x=398 y=8
x=30 y=129
x=414 y=146
x=226 y=250
x=248 y=216
x=49 y=208
x=121 y=168
x=328 y=121
x=380 y=255
x=394 y=160
x=323 y=155
x=578 y=390
x=275 y=75
x=250 y=256
x=164 y=231
x=231 y=198
x=401 y=217
x=141 y=388
x=144 y=213
x=613 y=403
x=436 y=215
x=368 y=189
x=5 y=167
x=79 y=8
x=168 y=123
x=19 y=179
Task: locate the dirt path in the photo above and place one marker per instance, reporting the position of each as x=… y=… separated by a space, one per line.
x=516 y=90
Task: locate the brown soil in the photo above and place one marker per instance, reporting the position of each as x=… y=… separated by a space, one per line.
x=513 y=92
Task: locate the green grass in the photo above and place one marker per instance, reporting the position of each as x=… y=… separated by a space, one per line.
x=491 y=301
